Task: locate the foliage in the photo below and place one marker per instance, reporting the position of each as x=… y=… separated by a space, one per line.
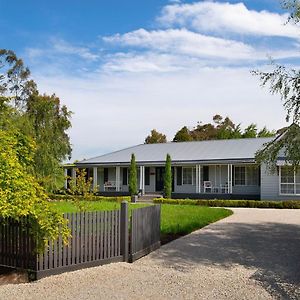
x=286 y=83
x=286 y=145
x=82 y=186
x=231 y=203
x=183 y=135
x=50 y=121
x=133 y=176
x=221 y=128
x=14 y=82
x=40 y=117
x=155 y=137
x=20 y=195
x=168 y=177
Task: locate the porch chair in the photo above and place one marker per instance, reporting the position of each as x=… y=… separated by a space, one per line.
x=207 y=186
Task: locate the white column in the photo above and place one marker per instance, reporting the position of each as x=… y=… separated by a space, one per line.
x=228 y=178
x=66 y=178
x=142 y=179
x=95 y=179
x=199 y=177
x=118 y=178
x=230 y=187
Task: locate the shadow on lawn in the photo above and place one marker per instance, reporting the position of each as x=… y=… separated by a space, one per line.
x=271 y=248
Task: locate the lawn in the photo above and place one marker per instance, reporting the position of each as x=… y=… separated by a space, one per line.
x=176 y=220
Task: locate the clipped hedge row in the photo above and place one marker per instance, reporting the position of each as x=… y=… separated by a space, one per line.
x=58 y=197
x=231 y=203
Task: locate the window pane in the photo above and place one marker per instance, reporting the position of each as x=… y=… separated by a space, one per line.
x=187 y=175
x=239 y=176
x=297 y=188
x=252 y=175
x=287 y=175
x=287 y=188
x=297 y=178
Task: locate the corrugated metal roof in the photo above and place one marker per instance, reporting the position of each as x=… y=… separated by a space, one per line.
x=241 y=149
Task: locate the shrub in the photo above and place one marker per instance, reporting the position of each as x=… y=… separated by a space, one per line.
x=232 y=203
x=168 y=177
x=59 y=197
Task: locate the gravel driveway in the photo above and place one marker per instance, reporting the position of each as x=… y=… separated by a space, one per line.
x=253 y=254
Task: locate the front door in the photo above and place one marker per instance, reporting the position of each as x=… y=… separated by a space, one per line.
x=159 y=179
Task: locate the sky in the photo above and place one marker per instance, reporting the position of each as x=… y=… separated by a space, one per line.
x=126 y=67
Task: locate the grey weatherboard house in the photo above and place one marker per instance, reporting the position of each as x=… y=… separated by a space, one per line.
x=202 y=169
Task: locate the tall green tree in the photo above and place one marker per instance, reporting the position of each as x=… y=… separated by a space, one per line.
x=50 y=121
x=155 y=137
x=40 y=117
x=285 y=82
x=133 y=176
x=168 y=178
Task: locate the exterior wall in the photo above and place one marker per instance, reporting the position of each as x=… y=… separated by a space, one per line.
x=270 y=187
x=246 y=189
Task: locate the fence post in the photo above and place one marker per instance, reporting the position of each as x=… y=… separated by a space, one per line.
x=124 y=230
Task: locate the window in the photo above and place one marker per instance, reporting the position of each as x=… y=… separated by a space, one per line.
x=147 y=176
x=187 y=175
x=105 y=175
x=179 y=175
x=240 y=175
x=289 y=181
x=246 y=175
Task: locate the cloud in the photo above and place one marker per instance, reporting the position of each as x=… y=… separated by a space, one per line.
x=192 y=64
x=112 y=111
x=62 y=47
x=182 y=41
x=221 y=18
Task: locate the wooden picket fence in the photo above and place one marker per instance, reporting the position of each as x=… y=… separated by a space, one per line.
x=96 y=238
x=145 y=231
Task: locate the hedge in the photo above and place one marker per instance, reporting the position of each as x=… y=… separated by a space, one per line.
x=59 y=197
x=231 y=203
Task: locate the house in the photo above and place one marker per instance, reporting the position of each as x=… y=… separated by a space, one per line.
x=201 y=169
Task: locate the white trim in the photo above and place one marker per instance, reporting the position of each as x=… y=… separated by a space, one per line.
x=95 y=179
x=66 y=178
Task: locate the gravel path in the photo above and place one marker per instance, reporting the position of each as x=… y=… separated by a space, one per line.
x=253 y=254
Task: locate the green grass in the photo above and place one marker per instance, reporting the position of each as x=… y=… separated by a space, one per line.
x=68 y=206
x=176 y=220
x=183 y=219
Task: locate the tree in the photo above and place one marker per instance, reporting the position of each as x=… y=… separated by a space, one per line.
x=40 y=117
x=168 y=178
x=155 y=137
x=15 y=82
x=133 y=176
x=20 y=194
x=183 y=135
x=286 y=83
x=50 y=121
x=81 y=185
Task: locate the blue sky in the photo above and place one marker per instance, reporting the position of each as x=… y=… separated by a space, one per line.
x=125 y=67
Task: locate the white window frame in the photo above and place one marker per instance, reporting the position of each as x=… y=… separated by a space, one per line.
x=286 y=183
x=192 y=183
x=246 y=175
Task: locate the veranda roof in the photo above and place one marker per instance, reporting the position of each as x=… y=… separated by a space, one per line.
x=184 y=152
